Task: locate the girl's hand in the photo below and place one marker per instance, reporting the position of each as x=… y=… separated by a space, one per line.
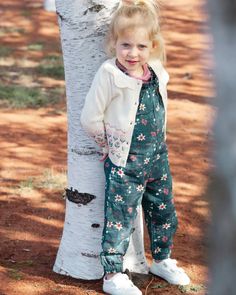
x=103 y=158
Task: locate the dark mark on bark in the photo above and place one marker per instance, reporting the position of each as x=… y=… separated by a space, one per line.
x=65 y=19
x=95 y=225
x=95 y=8
x=90 y=255
x=60 y=16
x=77 y=197
x=84 y=151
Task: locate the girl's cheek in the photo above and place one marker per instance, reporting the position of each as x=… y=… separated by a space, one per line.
x=123 y=52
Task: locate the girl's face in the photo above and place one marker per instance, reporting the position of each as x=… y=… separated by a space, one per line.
x=133 y=49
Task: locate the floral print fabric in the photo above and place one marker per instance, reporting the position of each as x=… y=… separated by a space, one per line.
x=145 y=180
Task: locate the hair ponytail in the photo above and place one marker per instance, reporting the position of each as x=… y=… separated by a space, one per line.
x=152 y=5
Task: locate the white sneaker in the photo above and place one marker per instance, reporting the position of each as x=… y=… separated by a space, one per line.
x=120 y=284
x=169 y=271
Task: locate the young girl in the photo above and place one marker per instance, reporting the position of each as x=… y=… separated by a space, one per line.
x=125 y=112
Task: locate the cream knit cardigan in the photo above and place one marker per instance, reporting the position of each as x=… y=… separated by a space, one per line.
x=111 y=105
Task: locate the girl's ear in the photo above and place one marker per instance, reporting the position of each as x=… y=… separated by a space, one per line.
x=154 y=44
x=113 y=46
x=112 y=43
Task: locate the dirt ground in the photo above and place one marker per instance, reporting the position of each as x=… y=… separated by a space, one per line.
x=33 y=152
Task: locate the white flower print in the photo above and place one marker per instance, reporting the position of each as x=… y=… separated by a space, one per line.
x=118 y=198
x=166 y=225
x=157 y=250
x=141 y=137
x=111 y=250
x=120 y=172
x=140 y=188
x=109 y=224
x=142 y=107
x=158 y=156
x=164 y=177
x=119 y=225
x=113 y=170
x=162 y=206
x=129 y=191
x=157 y=108
x=146 y=161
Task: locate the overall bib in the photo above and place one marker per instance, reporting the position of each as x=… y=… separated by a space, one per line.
x=145 y=180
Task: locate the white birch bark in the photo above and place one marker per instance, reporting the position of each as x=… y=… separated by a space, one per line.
x=83 y=24
x=223 y=187
x=49 y=5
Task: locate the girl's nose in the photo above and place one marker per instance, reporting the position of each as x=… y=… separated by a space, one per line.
x=133 y=52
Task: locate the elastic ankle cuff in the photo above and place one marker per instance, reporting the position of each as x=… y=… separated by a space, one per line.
x=161 y=256
x=112 y=263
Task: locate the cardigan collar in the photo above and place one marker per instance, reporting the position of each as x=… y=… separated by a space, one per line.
x=124 y=81
x=146 y=72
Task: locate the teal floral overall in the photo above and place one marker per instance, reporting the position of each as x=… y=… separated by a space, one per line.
x=145 y=180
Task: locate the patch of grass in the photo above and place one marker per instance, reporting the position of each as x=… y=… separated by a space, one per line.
x=53 y=58
x=10 y=30
x=26 y=13
x=26 y=263
x=35 y=46
x=5 y=51
x=15 y=274
x=52 y=180
x=51 y=66
x=159 y=286
x=191 y=288
x=20 y=97
x=53 y=71
x=27 y=184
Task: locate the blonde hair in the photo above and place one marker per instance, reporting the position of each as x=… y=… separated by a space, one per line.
x=137 y=13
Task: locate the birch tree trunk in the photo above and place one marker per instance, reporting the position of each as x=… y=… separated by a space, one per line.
x=223 y=187
x=83 y=24
x=49 y=5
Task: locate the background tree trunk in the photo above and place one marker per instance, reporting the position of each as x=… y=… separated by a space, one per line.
x=49 y=5
x=223 y=187
x=83 y=24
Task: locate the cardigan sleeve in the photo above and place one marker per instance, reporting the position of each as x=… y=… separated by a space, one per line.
x=96 y=102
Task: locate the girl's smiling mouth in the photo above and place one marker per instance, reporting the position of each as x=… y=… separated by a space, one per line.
x=132 y=62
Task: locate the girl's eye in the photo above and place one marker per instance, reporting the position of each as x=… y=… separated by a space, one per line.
x=125 y=45
x=141 y=46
